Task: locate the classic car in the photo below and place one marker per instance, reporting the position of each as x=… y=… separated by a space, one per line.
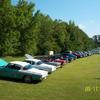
x=57 y=58
x=40 y=65
x=22 y=70
x=57 y=64
x=71 y=57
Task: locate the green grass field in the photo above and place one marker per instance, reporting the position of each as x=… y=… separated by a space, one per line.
x=79 y=80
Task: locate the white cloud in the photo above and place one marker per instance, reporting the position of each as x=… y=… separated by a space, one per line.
x=81 y=26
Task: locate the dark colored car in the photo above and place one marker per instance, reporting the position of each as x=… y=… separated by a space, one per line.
x=66 y=56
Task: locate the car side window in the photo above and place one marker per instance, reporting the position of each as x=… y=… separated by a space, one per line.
x=32 y=62
x=13 y=66
x=17 y=67
x=10 y=66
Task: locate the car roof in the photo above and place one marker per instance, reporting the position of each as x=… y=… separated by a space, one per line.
x=36 y=60
x=20 y=63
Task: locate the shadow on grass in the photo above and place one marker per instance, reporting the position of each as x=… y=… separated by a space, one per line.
x=98 y=78
x=19 y=81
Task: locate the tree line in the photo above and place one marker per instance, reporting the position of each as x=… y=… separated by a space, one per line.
x=24 y=30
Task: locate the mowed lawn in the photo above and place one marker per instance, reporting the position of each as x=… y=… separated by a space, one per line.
x=79 y=80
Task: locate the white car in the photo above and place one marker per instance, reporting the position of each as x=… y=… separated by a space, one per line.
x=22 y=70
x=40 y=65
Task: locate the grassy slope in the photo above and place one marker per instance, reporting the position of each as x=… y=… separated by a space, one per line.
x=68 y=83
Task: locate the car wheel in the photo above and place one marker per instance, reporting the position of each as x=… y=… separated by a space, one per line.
x=50 y=72
x=27 y=79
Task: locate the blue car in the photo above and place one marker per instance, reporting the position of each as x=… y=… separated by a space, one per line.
x=71 y=55
x=66 y=56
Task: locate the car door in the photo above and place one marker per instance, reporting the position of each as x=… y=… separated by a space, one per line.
x=12 y=70
x=7 y=71
x=17 y=71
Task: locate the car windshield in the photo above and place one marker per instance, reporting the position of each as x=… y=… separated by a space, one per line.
x=27 y=67
x=39 y=62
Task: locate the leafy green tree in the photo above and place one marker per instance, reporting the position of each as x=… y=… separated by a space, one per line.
x=25 y=25
x=22 y=31
x=9 y=36
x=45 y=41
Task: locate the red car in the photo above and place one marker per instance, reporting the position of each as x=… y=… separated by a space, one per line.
x=58 y=60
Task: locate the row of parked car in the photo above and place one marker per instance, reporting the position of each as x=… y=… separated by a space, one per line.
x=35 y=69
x=68 y=56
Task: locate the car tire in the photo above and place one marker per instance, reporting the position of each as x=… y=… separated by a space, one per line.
x=50 y=72
x=27 y=79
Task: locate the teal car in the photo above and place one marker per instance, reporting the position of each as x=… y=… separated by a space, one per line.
x=22 y=70
x=3 y=63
